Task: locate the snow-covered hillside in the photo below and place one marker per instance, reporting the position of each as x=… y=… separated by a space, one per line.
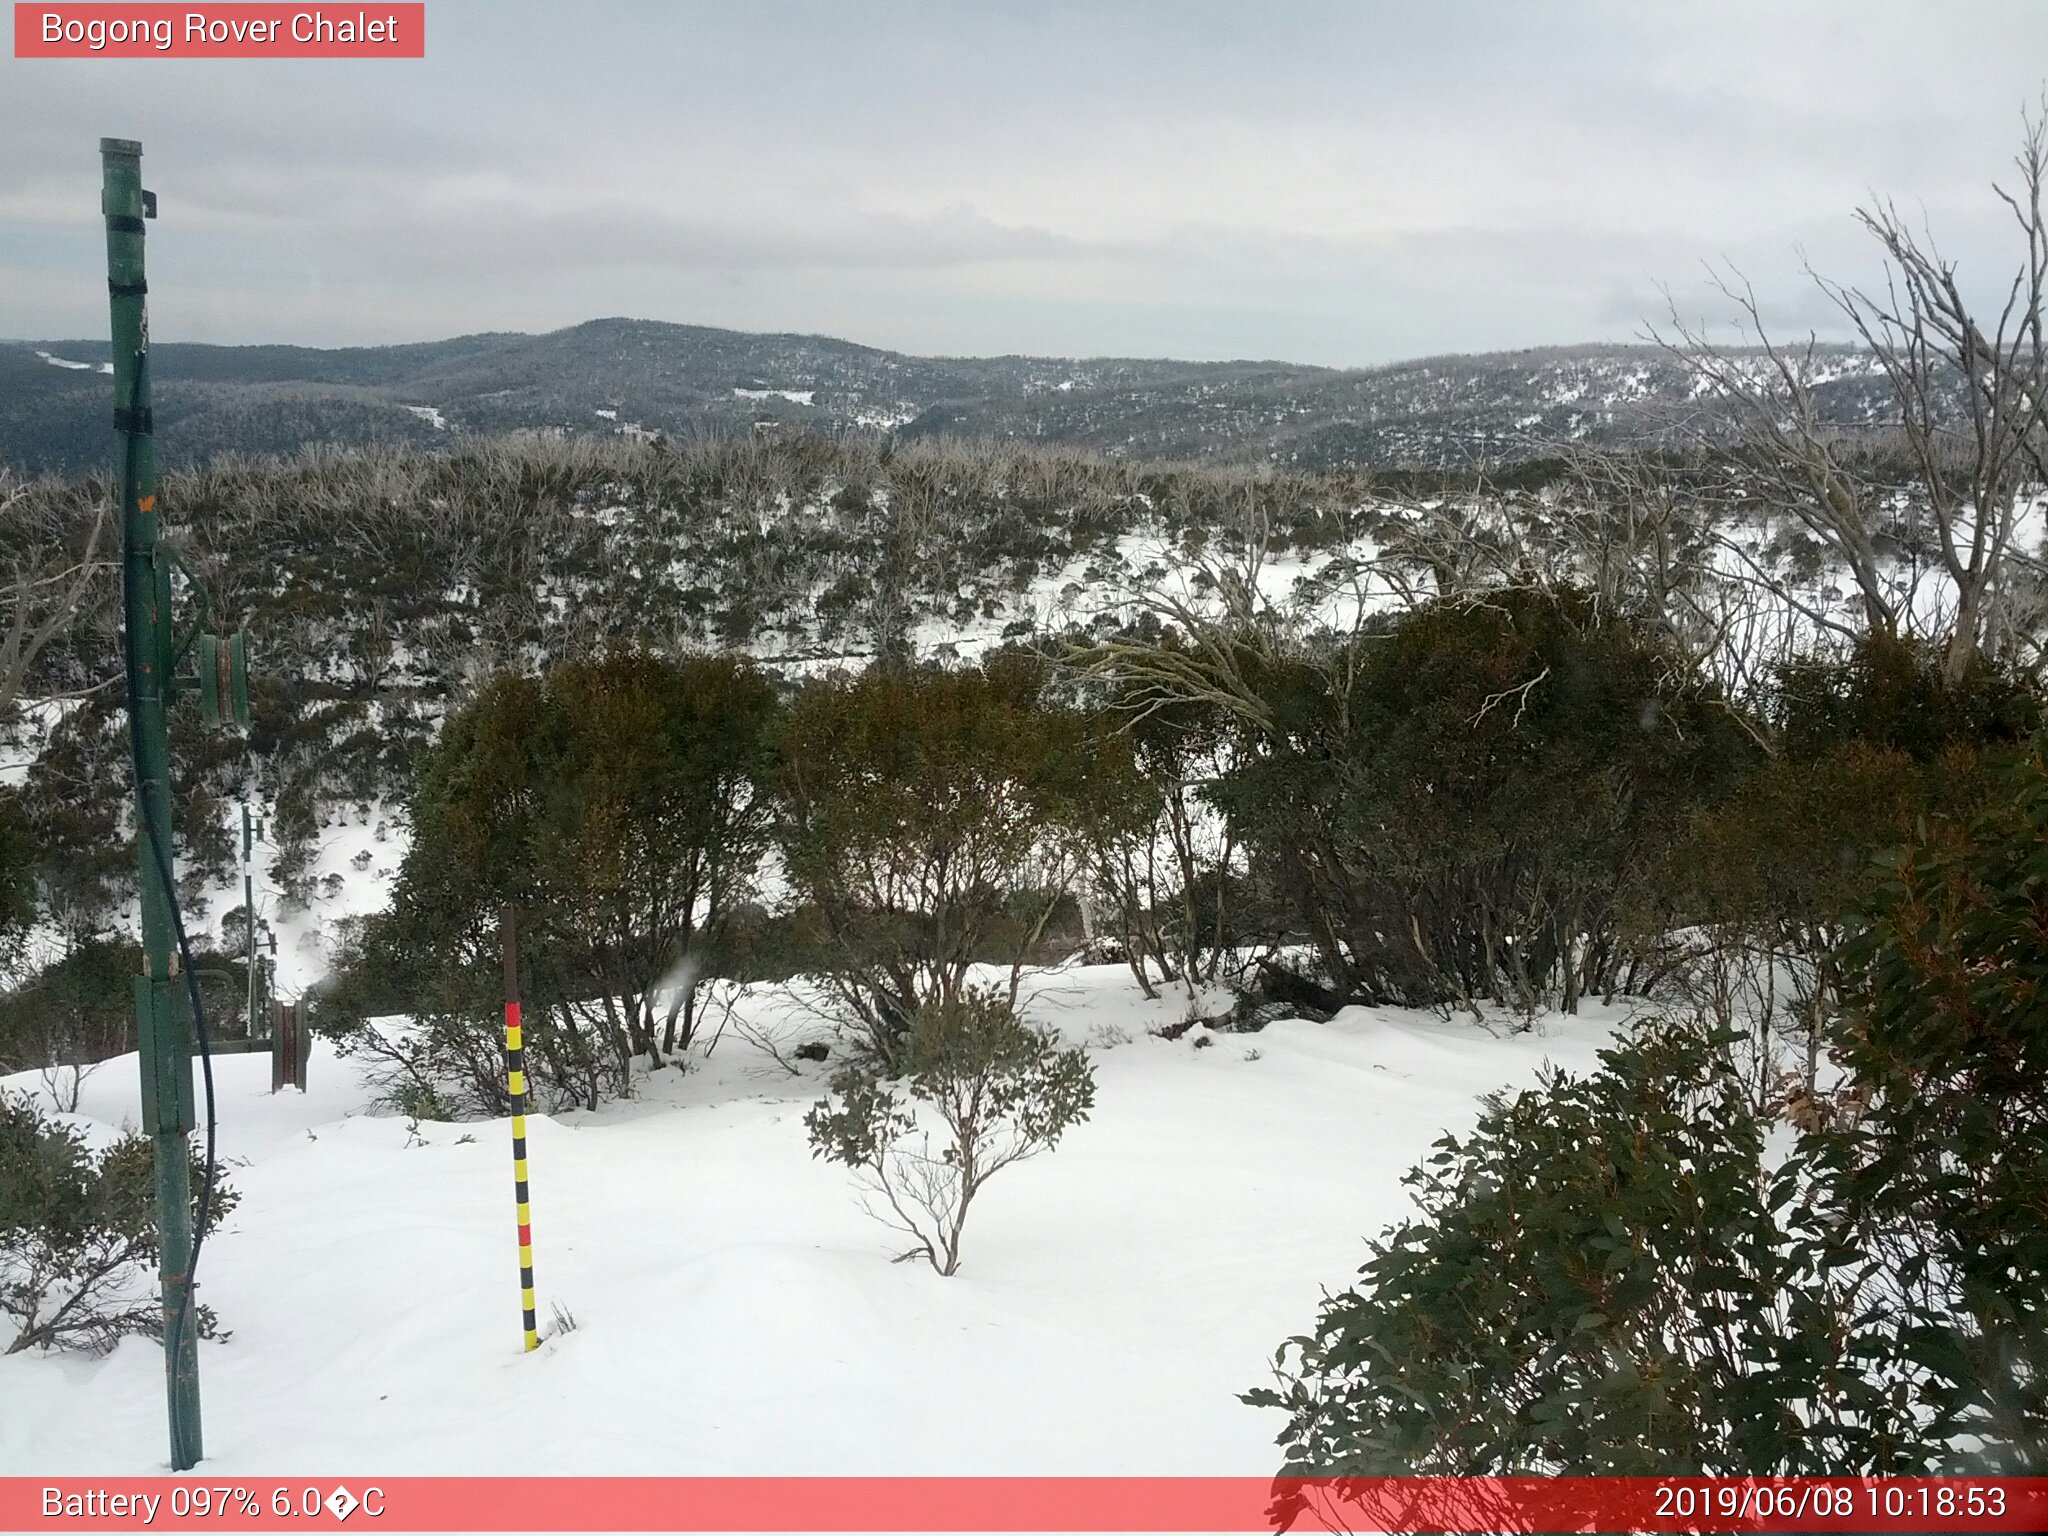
x=639 y=376
x=737 y=1313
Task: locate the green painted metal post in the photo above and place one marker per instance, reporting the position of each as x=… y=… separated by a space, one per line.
x=162 y=1024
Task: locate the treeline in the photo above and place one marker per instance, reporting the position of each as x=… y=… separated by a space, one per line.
x=1426 y=762
x=378 y=584
x=1497 y=805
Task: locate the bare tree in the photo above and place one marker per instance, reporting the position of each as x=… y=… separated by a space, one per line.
x=1973 y=407
x=1228 y=631
x=1969 y=409
x=64 y=1083
x=1790 y=458
x=43 y=579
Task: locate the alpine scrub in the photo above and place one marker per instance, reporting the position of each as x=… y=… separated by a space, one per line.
x=1610 y=1277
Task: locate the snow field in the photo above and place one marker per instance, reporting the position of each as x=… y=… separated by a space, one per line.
x=737 y=1313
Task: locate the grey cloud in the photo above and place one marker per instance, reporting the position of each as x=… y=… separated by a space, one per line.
x=512 y=239
x=1333 y=182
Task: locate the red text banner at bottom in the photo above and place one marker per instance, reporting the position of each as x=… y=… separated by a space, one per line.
x=1007 y=1504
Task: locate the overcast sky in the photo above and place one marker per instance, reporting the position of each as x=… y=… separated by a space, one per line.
x=1340 y=184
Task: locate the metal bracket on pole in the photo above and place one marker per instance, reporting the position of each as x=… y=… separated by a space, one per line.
x=165 y=1046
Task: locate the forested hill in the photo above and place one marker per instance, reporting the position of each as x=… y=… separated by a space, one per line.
x=635 y=376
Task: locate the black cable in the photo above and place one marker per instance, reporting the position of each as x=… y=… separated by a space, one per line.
x=175 y=1339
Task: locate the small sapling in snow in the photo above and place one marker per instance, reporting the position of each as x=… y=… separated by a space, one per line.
x=1001 y=1091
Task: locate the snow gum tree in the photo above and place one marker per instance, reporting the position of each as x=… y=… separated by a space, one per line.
x=620 y=803
x=1968 y=382
x=52 y=552
x=933 y=819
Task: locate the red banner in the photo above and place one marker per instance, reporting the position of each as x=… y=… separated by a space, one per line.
x=262 y=31
x=1003 y=1504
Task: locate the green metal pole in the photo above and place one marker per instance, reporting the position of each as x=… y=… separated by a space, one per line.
x=162 y=1025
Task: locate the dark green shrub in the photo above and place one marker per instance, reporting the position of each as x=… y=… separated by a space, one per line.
x=1610 y=1277
x=1164 y=864
x=1945 y=981
x=622 y=805
x=17 y=871
x=1869 y=747
x=78 y=1234
x=79 y=1008
x=73 y=798
x=1469 y=800
x=933 y=819
x=1895 y=695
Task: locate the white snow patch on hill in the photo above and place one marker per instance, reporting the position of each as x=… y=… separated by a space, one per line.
x=65 y=362
x=737 y=1313
x=886 y=418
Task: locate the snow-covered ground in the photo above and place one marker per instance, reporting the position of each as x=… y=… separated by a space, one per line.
x=737 y=1313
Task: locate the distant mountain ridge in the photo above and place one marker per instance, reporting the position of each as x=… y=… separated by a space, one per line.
x=621 y=375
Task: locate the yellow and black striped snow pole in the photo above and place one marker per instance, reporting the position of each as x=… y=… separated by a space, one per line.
x=515 y=1082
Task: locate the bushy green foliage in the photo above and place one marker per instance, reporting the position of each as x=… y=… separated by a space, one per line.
x=1790 y=851
x=1614 y=1274
x=1164 y=864
x=17 y=871
x=1467 y=801
x=78 y=1234
x=72 y=803
x=621 y=805
x=1868 y=745
x=1894 y=695
x=933 y=819
x=1000 y=1090
x=1610 y=1276
x=77 y=1009
x=1946 y=1172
